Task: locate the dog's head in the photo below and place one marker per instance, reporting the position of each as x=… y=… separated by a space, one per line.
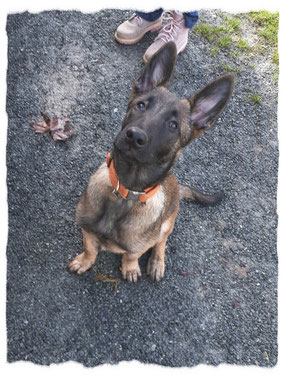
x=157 y=123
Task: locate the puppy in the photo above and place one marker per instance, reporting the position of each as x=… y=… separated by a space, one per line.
x=132 y=200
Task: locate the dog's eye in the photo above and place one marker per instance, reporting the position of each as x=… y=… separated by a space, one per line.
x=173 y=124
x=140 y=106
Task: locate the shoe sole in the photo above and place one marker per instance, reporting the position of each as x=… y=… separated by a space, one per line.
x=178 y=52
x=133 y=41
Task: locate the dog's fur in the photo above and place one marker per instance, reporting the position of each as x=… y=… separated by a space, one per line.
x=155 y=128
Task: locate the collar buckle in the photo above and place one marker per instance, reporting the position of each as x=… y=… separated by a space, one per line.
x=115 y=190
x=134 y=196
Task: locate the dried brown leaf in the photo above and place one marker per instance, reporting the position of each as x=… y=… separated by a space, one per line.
x=187 y=273
x=45 y=118
x=114 y=281
x=236 y=304
x=56 y=127
x=107 y=279
x=39 y=127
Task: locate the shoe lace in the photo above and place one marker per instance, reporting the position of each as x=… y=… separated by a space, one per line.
x=137 y=18
x=170 y=29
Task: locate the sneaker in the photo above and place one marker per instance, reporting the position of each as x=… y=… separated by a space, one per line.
x=133 y=30
x=174 y=30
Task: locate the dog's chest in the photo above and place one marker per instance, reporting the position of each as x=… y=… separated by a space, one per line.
x=129 y=225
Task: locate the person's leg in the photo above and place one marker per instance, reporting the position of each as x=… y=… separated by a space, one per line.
x=190 y=19
x=133 y=30
x=150 y=16
x=175 y=30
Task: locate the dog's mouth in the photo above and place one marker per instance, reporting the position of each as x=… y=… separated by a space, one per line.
x=129 y=152
x=125 y=151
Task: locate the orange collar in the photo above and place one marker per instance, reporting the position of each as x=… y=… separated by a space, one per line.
x=126 y=193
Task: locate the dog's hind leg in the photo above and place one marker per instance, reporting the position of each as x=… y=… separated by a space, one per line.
x=85 y=260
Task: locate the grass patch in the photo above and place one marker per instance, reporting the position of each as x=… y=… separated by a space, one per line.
x=275 y=77
x=214 y=50
x=205 y=30
x=228 y=68
x=217 y=30
x=255 y=98
x=268 y=23
x=275 y=57
x=225 y=41
x=227 y=36
x=243 y=45
x=258 y=49
x=220 y=36
x=233 y=24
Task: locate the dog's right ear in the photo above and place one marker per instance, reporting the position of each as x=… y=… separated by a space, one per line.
x=158 y=70
x=207 y=104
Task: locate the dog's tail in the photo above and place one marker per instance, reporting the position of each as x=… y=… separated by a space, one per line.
x=186 y=192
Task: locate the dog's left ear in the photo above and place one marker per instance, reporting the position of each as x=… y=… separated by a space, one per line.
x=158 y=70
x=207 y=104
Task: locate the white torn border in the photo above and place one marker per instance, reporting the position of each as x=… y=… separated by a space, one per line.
x=134 y=368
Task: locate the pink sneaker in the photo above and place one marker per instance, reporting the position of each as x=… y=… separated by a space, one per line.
x=133 y=30
x=174 y=30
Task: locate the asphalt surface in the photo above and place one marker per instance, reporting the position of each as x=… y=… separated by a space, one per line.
x=218 y=300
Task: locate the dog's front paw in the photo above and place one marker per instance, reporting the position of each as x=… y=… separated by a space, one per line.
x=156 y=268
x=80 y=264
x=131 y=275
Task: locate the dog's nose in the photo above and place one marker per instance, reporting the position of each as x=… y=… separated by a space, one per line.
x=136 y=137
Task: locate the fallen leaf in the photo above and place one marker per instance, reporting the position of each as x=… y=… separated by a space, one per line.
x=56 y=127
x=107 y=279
x=187 y=273
x=236 y=304
x=114 y=281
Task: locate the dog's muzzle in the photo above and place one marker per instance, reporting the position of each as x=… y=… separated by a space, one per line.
x=135 y=137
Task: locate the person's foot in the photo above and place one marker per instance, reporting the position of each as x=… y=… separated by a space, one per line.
x=174 y=30
x=133 y=30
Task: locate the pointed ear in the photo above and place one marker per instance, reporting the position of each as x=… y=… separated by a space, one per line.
x=158 y=70
x=207 y=104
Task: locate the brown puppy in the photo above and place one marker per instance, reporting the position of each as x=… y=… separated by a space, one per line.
x=132 y=200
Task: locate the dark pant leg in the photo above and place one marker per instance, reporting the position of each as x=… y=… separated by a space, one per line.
x=190 y=19
x=150 y=16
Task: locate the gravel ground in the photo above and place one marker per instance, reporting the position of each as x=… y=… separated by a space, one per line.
x=218 y=300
